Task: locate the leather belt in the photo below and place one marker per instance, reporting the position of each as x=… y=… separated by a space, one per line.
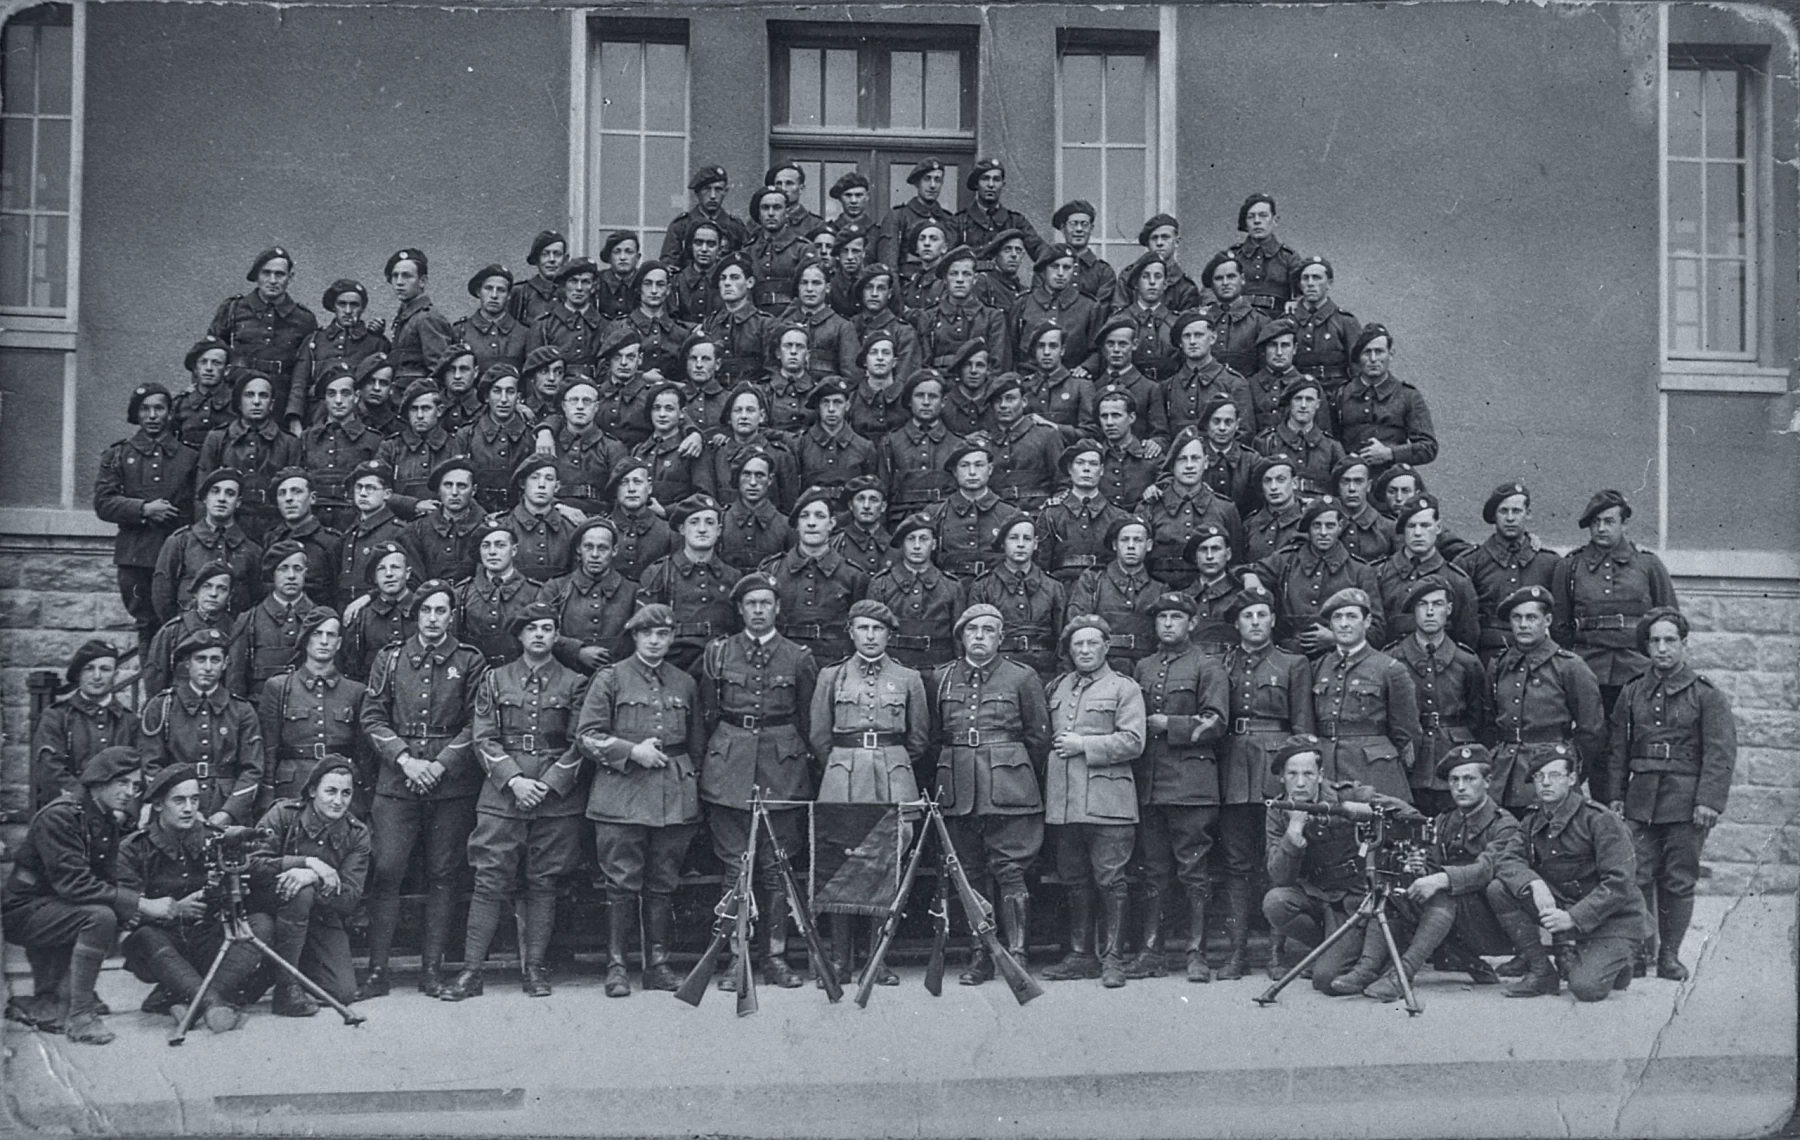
x=869 y=739
x=1165 y=563
x=1122 y=641
x=812 y=631
x=423 y=729
x=975 y=738
x=535 y=742
x=314 y=751
x=1557 y=735
x=1076 y=562
x=1662 y=752
x=916 y=641
x=1262 y=302
x=751 y=722
x=1333 y=730
x=925 y=495
x=203 y=770
x=1603 y=621
x=582 y=491
x=693 y=629
x=1025 y=642
x=1247 y=724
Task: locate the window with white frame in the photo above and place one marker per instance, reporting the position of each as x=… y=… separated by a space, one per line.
x=37 y=161
x=638 y=124
x=1711 y=134
x=1106 y=128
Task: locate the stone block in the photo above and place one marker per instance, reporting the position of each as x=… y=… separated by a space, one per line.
x=1715 y=651
x=1752 y=843
x=1771 y=767
x=1755 y=804
x=1768 y=728
x=1757 y=688
x=41 y=648
x=66 y=572
x=1737 y=879
x=1778 y=653
x=67 y=611
x=20 y=609
x=1749 y=614
x=1701 y=614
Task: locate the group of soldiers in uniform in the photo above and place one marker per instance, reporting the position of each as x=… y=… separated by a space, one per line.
x=848 y=510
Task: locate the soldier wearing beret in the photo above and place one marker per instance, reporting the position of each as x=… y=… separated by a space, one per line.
x=1419 y=522
x=421 y=444
x=622 y=387
x=1093 y=275
x=440 y=543
x=1381 y=418
x=490 y=601
x=1454 y=700
x=86 y=719
x=65 y=901
x=1118 y=339
x=165 y=863
x=790 y=179
x=1161 y=238
x=652 y=317
x=208 y=607
x=1268 y=265
x=1272 y=371
x=592 y=602
x=255 y=447
x=694 y=581
x=375 y=395
x=969 y=522
x=1052 y=392
x=1509 y=559
x=1121 y=591
x=145 y=487
x=877 y=405
x=709 y=186
x=454 y=373
x=310 y=709
x=500 y=436
x=1323 y=333
x=693 y=298
x=927 y=179
x=911 y=459
x=746 y=423
x=1271 y=699
x=263 y=330
x=1188 y=390
x=264 y=637
x=1275 y=527
x=589 y=458
x=966 y=404
x=1145 y=283
x=494 y=335
x=528 y=812
x=756 y=692
x=198 y=721
x=1367 y=532
x=331 y=447
x=816 y=584
x=1207 y=554
x=745 y=334
x=958 y=317
x=861 y=534
x=1182 y=506
x=1231 y=464
x=788 y=383
x=1128 y=465
x=544 y=530
x=1031 y=604
x=421 y=333
x=999 y=285
x=1056 y=299
x=753 y=527
x=307 y=876
x=574 y=325
x=1311 y=571
x=643 y=536
x=1543 y=697
x=1242 y=325
x=776 y=250
x=1316 y=455
x=208 y=403
x=538 y=294
x=831 y=340
x=347 y=340
x=371 y=492
x=1570 y=868
x=831 y=453
x=1026 y=451
x=613 y=294
x=925 y=598
x=985 y=217
x=1187 y=697
x=851 y=192
x=1097 y=722
x=416 y=714
x=379 y=614
x=1668 y=772
x=1366 y=705
x=1602 y=588
x=1074 y=524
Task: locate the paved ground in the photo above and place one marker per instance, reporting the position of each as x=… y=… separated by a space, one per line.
x=1714 y=1056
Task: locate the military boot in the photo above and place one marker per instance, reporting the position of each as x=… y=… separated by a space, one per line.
x=659 y=915
x=775 y=969
x=1673 y=919
x=1080 y=961
x=1113 y=910
x=1540 y=972
x=1149 y=960
x=621 y=923
x=1237 y=929
x=1197 y=969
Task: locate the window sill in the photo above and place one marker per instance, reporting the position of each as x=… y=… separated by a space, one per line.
x=1760 y=564
x=1728 y=376
x=49 y=521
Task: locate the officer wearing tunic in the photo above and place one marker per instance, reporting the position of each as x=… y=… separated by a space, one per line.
x=588 y=458
x=421 y=333
x=1419 y=522
x=537 y=294
x=1118 y=337
x=1098 y=724
x=694 y=581
x=1510 y=558
x=1129 y=466
x=262 y=330
x=1187 y=697
x=1312 y=571
x=925 y=598
x=756 y=690
x=490 y=601
x=1051 y=390
x=145 y=487
x=310 y=710
x=264 y=638
x=1366 y=706
x=213 y=537
x=1122 y=592
x=1267 y=264
x=592 y=602
x=347 y=341
x=198 y=721
x=1668 y=772
x=528 y=812
x=777 y=252
x=752 y=526
x=85 y=720
x=1543 y=696
x=1454 y=699
x=1031 y=604
x=1602 y=588
x=815 y=583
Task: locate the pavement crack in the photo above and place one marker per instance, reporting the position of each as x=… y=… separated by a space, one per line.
x=181 y=1116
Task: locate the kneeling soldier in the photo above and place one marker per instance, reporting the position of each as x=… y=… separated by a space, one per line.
x=642 y=726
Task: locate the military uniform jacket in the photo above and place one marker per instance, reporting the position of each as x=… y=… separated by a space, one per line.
x=698 y=592
x=360 y=541
x=778 y=258
x=1187 y=390
x=816 y=595
x=1367 y=710
x=1542 y=696
x=1230 y=471
x=1124 y=599
x=1026 y=454
x=979 y=225
x=263 y=641
x=497 y=340
x=757 y=698
x=831 y=340
x=546 y=542
x=419 y=702
x=421 y=334
x=301 y=833
x=993 y=737
x=784 y=487
x=643 y=539
x=1584 y=854
x=331 y=450
x=830 y=459
x=133 y=474
x=674 y=476
x=753 y=532
x=350 y=343
x=577 y=335
x=1470 y=844
x=1496 y=568
x=1180 y=765
x=907 y=359
x=494 y=448
x=1127 y=469
x=692 y=296
x=219 y=734
x=733 y=233
x=1178 y=514
x=1212 y=633
x=887 y=242
x=1155 y=355
x=194 y=546
x=911 y=464
x=1314 y=453
x=1400 y=571
x=198 y=412
x=1074 y=312
x=1454 y=702
x=159 y=863
x=1240 y=323
x=1327 y=868
x=1270 y=532
x=1268 y=269
x=1599 y=597
x=485 y=609
x=522 y=727
x=381 y=621
x=1265 y=392
x=438 y=546
x=1146 y=396
x=1032 y=607
x=1302 y=580
x=1066 y=400
x=67 y=736
x=264 y=335
x=1323 y=338
x=871 y=723
x=587 y=457
x=624 y=406
x=159 y=664
x=412 y=457
x=1393 y=412
x=1094 y=276
x=787 y=395
x=1368 y=534
x=531 y=299
x=71 y=852
x=1271 y=699
x=745 y=338
x=590 y=611
x=258 y=452
x=461 y=409
x=874 y=412
x=967 y=530
x=949 y=324
x=1097 y=785
x=1071 y=533
x=305 y=716
x=966 y=411
x=1674 y=745
x=866 y=549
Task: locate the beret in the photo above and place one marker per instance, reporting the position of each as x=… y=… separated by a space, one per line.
x=424 y=386
x=1269 y=463
x=1460 y=755
x=203 y=638
x=1180 y=603
x=1371 y=332
x=1345 y=598
x=621 y=337
x=815 y=494
x=1522 y=595
x=200 y=348
x=416 y=256
x=279 y=552
x=1347 y=466
x=1036 y=333
x=108 y=764
x=542 y=355
x=1055 y=252
x=655 y=615
x=917 y=230
x=849 y=229
x=1247 y=597
x=737 y=258
x=920 y=376
x=1304 y=263
x=445 y=466
x=1602 y=502
x=598 y=522
x=1079 y=622
x=426 y=589
x=544 y=240
x=1279 y=327
x=769 y=174
x=1155 y=223
x=916 y=521
x=1651 y=617
x=999 y=240
x=341 y=286
x=534 y=463
x=310 y=623
x=1066 y=461
x=536 y=611
x=485 y=272
x=217 y=568
x=863 y=483
x=1490 y=510
x=1386 y=479
x=655 y=392
x=90 y=651
x=963 y=451
x=141 y=393
x=1217 y=404
x=575 y=266
x=1542 y=756
x=757 y=196
x=693 y=505
x=1421 y=589
x=1184 y=319
x=706 y=176
x=1129 y=277
x=167 y=780
x=331 y=374
x=870 y=272
x=955 y=254
x=855 y=180
x=1213 y=263
x=1118 y=527
x=371 y=467
x=1008 y=527
x=380 y=553
x=645 y=268
x=1300 y=744
x=1243 y=221
x=1002 y=383
x=978 y=610
x=616 y=239
x=621 y=469
x=828 y=386
x=749 y=584
x=453 y=352
x=1114 y=392
x=370 y=365
x=312 y=772
x=243 y=380
x=923 y=167
x=862 y=354
x=744 y=458
x=1115 y=323
x=1298 y=385
x=267 y=256
x=1075 y=206
x=1200 y=536
x=1324 y=504
x=1420 y=502
x=964 y=352
x=980 y=167
x=219 y=475
x=877 y=611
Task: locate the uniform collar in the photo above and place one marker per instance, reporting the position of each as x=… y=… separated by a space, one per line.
x=283 y=305
x=608 y=583
x=1556 y=819
x=1675 y=681
x=239 y=429
x=1333 y=559
x=309 y=525
x=1337 y=657
x=317 y=827
x=964 y=506
x=312 y=681
x=219 y=698
x=1478 y=818
x=177 y=844
x=418 y=652
x=382 y=515
x=1623 y=554
x=145 y=444
x=827 y=562
x=413 y=307
x=1127 y=580
x=918 y=434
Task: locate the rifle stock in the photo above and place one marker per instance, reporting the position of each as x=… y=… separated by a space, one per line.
x=890 y=925
x=980 y=914
x=693 y=987
x=746 y=974
x=802 y=912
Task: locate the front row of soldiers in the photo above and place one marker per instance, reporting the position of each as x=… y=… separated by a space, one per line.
x=1140 y=764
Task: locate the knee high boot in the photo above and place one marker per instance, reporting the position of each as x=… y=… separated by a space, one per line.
x=1673 y=917
x=1197 y=969
x=981 y=967
x=884 y=976
x=659 y=917
x=540 y=920
x=82 y=1023
x=1647 y=949
x=1015 y=923
x=484 y=921
x=1237 y=929
x=438 y=902
x=621 y=924
x=775 y=968
x=1149 y=960
x=177 y=976
x=1115 y=906
x=1540 y=972
x=384 y=918
x=289 y=941
x=1079 y=962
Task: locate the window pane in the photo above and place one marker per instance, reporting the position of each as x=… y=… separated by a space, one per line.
x=53 y=164
x=906 y=89
x=1725 y=208
x=31 y=429
x=15 y=164
x=943 y=90
x=899 y=189
x=803 y=87
x=50 y=263
x=1124 y=194
x=950 y=198
x=1684 y=113
x=1125 y=98
x=1081 y=75
x=618 y=181
x=20 y=75
x=665 y=180
x=665 y=72
x=1721 y=101
x=1081 y=175
x=809 y=191
x=840 y=88
x=621 y=79
x=1725 y=306
x=55 y=69
x=1684 y=207
x=832 y=172
x=1684 y=305
x=15 y=261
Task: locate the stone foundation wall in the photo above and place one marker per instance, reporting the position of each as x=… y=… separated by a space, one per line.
x=56 y=593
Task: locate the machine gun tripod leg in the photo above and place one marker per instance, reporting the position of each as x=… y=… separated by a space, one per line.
x=237 y=930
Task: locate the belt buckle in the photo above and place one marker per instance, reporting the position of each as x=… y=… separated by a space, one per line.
x=318 y=750
x=1240 y=726
x=1660 y=751
x=750 y=722
x=974 y=738
x=203 y=770
x=871 y=739
x=528 y=741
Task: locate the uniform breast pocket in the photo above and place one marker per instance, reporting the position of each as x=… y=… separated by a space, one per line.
x=999 y=711
x=1098 y=716
x=1271 y=697
x=1364 y=699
